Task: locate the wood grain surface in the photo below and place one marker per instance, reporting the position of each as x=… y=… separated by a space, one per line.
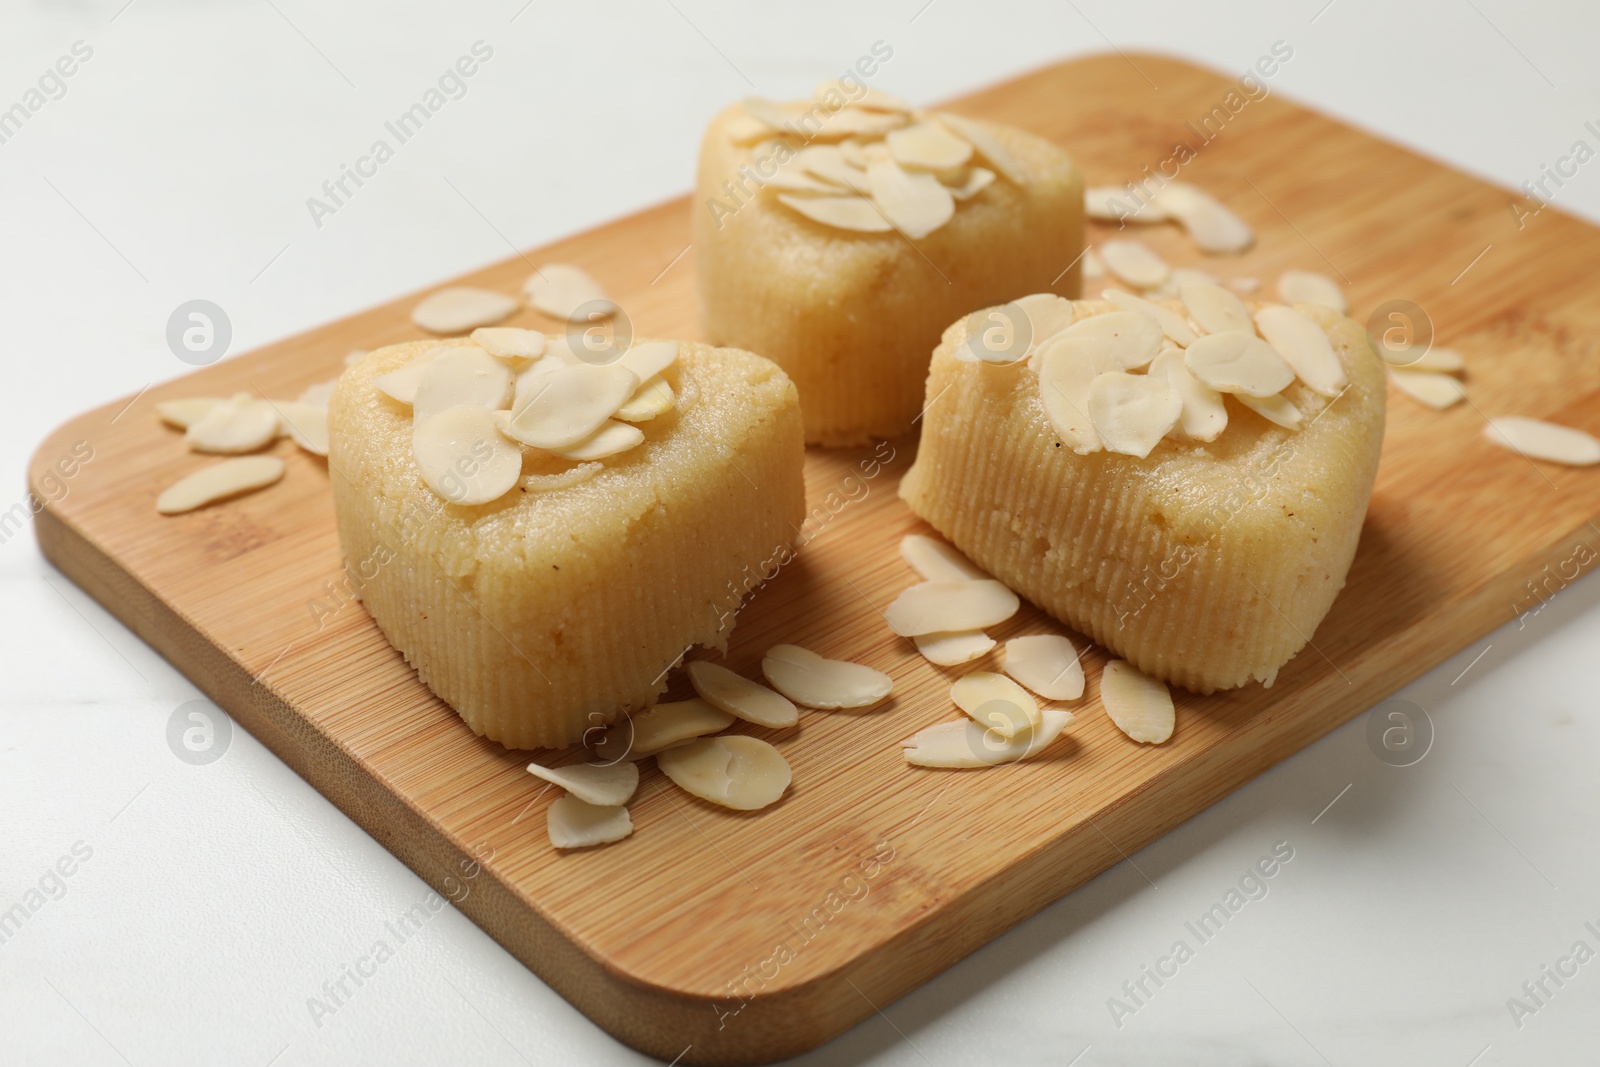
x=731 y=937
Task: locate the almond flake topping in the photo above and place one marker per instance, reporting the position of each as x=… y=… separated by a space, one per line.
x=463 y=458
x=976 y=181
x=560 y=290
x=739 y=696
x=739 y=772
x=460 y=308
x=463 y=374
x=572 y=823
x=306 y=424
x=1132 y=337
x=1309 y=287
x=1133 y=412
x=916 y=203
x=1304 y=346
x=1134 y=262
x=933 y=607
x=219 y=481
x=997 y=703
x=1213 y=308
x=1204 y=415
x=646 y=359
x=568 y=404
x=987 y=143
x=401 y=385
x=1538 y=439
x=1045 y=663
x=1238 y=362
x=509 y=342
x=841 y=212
x=963 y=744
x=605 y=785
x=611 y=439
x=807 y=678
x=1068 y=366
x=1174 y=325
x=1275 y=409
x=1048 y=314
x=1140 y=705
x=927 y=146
x=859 y=96
x=653 y=397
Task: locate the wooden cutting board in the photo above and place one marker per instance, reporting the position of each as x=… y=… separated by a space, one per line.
x=726 y=937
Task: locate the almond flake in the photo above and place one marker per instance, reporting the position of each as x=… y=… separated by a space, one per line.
x=996 y=702
x=463 y=374
x=841 y=212
x=509 y=342
x=739 y=696
x=459 y=309
x=307 y=424
x=1045 y=663
x=1134 y=262
x=463 y=458
x=738 y=772
x=605 y=785
x=1140 y=706
x=1210 y=224
x=653 y=397
x=988 y=144
x=1048 y=314
x=1437 y=391
x=1133 y=337
x=932 y=607
x=646 y=359
x=1094 y=267
x=916 y=203
x=219 y=481
x=1304 y=346
x=572 y=823
x=1238 y=362
x=1309 y=287
x=560 y=290
x=238 y=424
x=1275 y=409
x=1133 y=412
x=186 y=411
x=568 y=404
x=869 y=98
x=951 y=648
x=1538 y=439
x=1244 y=285
x=401 y=385
x=1174 y=325
x=975 y=181
x=319 y=392
x=855 y=121
x=610 y=439
x=937 y=561
x=790 y=178
x=1068 y=366
x=663 y=726
x=830 y=163
x=1204 y=414
x=1111 y=203
x=1437 y=361
x=1213 y=308
x=927 y=146
x=746 y=130
x=962 y=744
x=809 y=679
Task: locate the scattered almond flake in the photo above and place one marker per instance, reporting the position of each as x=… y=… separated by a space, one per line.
x=605 y=785
x=1174 y=325
x=1048 y=314
x=1111 y=203
x=1435 y=361
x=1309 y=287
x=860 y=96
x=646 y=359
x=307 y=424
x=987 y=143
x=653 y=397
x=1133 y=412
x=648 y=732
x=463 y=374
x=809 y=679
x=1169 y=289
x=318 y=393
x=739 y=696
x=951 y=648
x=1140 y=705
x=560 y=290
x=1437 y=391
x=509 y=342
x=739 y=772
x=962 y=744
x=745 y=129
x=937 y=561
x=1538 y=439
x=1245 y=284
x=1134 y=262
x=573 y=823
x=996 y=702
x=568 y=404
x=463 y=458
x=219 y=481
x=460 y=308
x=1209 y=222
x=1236 y=361
x=915 y=203
x=402 y=384
x=830 y=163
x=1275 y=409
x=1133 y=337
x=1045 y=663
x=1304 y=346
x=932 y=607
x=354 y=356
x=611 y=439
x=1093 y=266
x=1213 y=308
x=239 y=424
x=1068 y=366
x=186 y=411
x=927 y=146
x=855 y=152
x=841 y=212
x=1204 y=416
x=975 y=181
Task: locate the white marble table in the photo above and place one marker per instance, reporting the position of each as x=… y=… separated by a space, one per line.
x=208 y=904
